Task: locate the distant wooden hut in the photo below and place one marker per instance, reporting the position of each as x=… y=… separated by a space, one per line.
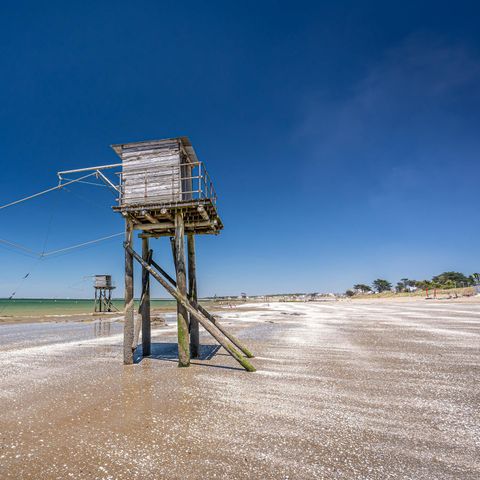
x=103 y=294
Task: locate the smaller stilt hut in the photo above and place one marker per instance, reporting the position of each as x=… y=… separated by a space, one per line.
x=103 y=293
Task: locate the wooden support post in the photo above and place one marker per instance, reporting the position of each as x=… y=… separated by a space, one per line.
x=209 y=326
x=145 y=302
x=182 y=314
x=105 y=301
x=192 y=293
x=95 y=304
x=128 y=327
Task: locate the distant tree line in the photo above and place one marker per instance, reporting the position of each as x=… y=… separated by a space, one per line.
x=445 y=280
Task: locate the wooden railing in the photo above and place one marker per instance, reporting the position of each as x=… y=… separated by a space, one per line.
x=189 y=183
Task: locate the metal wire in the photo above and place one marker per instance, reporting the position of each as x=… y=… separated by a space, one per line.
x=90 y=242
x=16 y=202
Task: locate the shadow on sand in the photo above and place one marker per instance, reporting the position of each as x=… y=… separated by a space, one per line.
x=169 y=352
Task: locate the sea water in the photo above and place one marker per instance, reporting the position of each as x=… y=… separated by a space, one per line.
x=20 y=307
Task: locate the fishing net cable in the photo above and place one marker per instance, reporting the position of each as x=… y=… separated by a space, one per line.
x=30 y=197
x=44 y=254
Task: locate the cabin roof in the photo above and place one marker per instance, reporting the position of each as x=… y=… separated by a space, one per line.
x=185 y=141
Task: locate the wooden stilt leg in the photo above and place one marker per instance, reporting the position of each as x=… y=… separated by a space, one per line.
x=128 y=328
x=192 y=290
x=145 y=305
x=183 y=300
x=182 y=314
x=95 y=304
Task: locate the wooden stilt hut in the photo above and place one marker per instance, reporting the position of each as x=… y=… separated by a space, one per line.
x=165 y=191
x=103 y=294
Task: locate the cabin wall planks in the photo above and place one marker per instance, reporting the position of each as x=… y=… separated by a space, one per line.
x=152 y=172
x=103 y=281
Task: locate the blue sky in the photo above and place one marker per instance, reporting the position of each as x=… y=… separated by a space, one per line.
x=342 y=137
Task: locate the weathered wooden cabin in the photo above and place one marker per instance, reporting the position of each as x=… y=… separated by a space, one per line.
x=103 y=281
x=162 y=177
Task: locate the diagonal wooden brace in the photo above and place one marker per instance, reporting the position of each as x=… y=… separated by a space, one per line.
x=207 y=314
x=138 y=323
x=206 y=324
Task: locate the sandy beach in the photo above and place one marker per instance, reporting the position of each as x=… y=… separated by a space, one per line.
x=352 y=389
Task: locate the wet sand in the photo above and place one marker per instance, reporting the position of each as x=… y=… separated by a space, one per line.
x=7 y=317
x=350 y=390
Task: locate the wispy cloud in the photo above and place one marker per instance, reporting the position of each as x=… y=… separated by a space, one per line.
x=410 y=115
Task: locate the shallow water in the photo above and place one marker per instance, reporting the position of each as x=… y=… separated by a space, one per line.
x=27 y=335
x=15 y=336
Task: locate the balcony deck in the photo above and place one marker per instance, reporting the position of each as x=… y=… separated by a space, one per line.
x=158 y=219
x=194 y=196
